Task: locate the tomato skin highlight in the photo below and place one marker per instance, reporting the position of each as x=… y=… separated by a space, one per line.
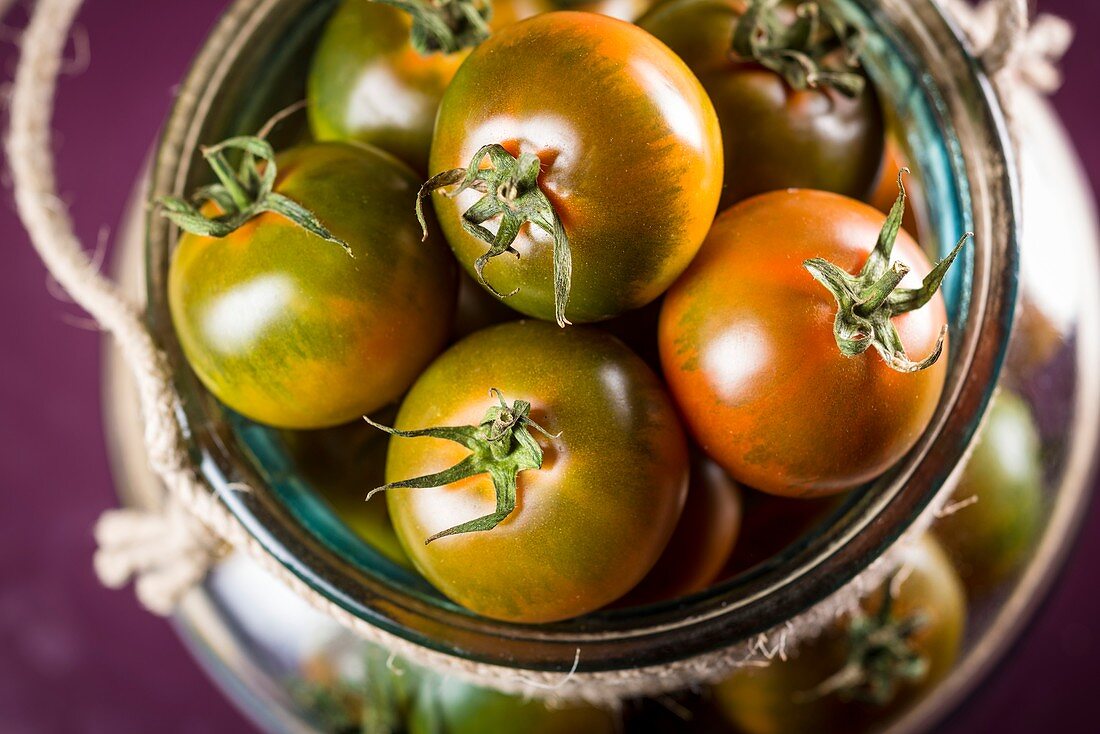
x=367 y=83
x=591 y=522
x=628 y=10
x=777 y=699
x=286 y=328
x=1002 y=482
x=773 y=136
x=747 y=345
x=636 y=185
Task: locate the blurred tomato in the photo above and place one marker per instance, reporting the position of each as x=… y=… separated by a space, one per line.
x=862 y=672
x=1000 y=497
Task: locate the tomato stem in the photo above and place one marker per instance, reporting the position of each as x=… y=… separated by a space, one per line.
x=815 y=49
x=243 y=194
x=500 y=446
x=881 y=656
x=867 y=303
x=227 y=177
x=881 y=289
x=445 y=26
x=511 y=192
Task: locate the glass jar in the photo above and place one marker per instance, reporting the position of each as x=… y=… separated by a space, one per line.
x=953 y=130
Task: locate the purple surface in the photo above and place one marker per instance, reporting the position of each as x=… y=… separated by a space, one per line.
x=77 y=658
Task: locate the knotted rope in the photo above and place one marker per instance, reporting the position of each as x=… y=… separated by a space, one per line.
x=170 y=549
x=1012 y=51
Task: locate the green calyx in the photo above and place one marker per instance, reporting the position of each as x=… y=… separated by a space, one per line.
x=816 y=48
x=881 y=656
x=376 y=702
x=511 y=192
x=445 y=25
x=501 y=446
x=241 y=194
x=867 y=303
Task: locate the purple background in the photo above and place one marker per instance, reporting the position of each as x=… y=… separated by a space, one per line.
x=77 y=658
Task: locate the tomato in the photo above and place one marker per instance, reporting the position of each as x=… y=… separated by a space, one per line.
x=1039 y=333
x=587 y=525
x=340 y=464
x=803 y=693
x=329 y=698
x=702 y=542
x=999 y=497
x=394 y=696
x=618 y=170
x=449 y=706
x=886 y=189
x=752 y=345
x=1052 y=216
x=368 y=83
x=777 y=132
x=398 y=696
x=287 y=328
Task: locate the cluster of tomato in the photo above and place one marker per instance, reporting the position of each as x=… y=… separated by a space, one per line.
x=573 y=163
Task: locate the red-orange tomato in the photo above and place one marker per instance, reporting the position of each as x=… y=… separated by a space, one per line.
x=747 y=347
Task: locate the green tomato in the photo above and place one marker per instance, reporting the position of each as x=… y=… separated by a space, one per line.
x=368 y=83
x=589 y=522
x=449 y=706
x=792 y=697
x=285 y=327
x=1000 y=495
x=400 y=696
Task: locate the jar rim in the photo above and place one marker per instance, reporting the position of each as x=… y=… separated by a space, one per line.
x=711 y=619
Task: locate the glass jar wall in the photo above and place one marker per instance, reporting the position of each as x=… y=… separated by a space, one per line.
x=958 y=143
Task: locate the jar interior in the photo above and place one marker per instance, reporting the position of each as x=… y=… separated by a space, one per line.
x=311 y=537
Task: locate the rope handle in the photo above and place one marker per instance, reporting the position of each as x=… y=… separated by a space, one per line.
x=1010 y=30
x=168 y=551
x=1012 y=47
